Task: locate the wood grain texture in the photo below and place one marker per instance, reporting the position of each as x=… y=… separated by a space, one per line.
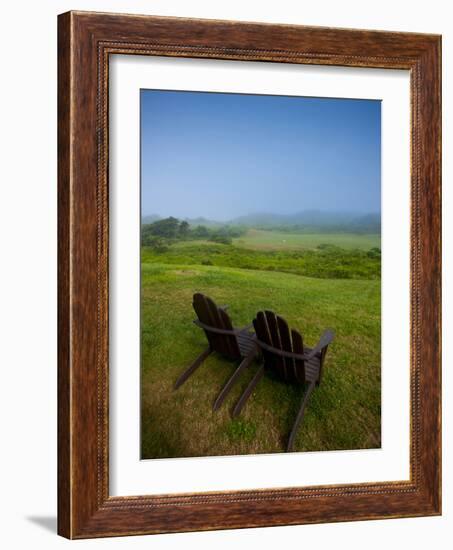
x=64 y=369
x=85 y=42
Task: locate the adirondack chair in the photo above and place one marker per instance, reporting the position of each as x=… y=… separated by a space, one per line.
x=234 y=344
x=285 y=354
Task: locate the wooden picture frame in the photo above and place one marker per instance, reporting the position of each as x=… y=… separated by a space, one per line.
x=85 y=42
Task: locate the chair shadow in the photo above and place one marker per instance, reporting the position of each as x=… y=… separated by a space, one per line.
x=49 y=523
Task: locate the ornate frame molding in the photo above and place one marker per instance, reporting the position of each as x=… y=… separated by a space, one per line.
x=86 y=40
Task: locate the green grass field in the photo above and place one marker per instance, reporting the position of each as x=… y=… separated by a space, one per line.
x=327 y=262
x=344 y=412
x=258 y=239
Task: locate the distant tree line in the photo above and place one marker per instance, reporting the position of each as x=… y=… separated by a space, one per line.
x=161 y=233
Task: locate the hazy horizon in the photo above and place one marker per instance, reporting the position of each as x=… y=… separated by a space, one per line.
x=355 y=213
x=222 y=156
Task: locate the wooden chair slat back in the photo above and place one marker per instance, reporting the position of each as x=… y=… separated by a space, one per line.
x=230 y=342
x=286 y=345
x=298 y=347
x=210 y=314
x=262 y=333
x=274 y=338
x=273 y=330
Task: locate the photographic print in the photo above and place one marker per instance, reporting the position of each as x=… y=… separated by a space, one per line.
x=232 y=352
x=260 y=274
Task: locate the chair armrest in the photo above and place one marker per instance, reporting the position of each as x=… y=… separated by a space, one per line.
x=326 y=338
x=324 y=341
x=216 y=330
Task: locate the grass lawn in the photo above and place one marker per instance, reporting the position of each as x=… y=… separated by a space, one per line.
x=277 y=240
x=344 y=412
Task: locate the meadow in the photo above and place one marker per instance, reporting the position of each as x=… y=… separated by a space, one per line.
x=259 y=239
x=314 y=281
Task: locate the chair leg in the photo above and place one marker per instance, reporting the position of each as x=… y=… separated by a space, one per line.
x=300 y=416
x=248 y=391
x=225 y=390
x=193 y=367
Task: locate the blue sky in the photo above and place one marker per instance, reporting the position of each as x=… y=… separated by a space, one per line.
x=225 y=155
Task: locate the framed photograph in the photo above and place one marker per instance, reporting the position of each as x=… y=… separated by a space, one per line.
x=249 y=275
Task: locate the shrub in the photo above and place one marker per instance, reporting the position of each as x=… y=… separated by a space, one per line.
x=221 y=239
x=374 y=252
x=157 y=244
